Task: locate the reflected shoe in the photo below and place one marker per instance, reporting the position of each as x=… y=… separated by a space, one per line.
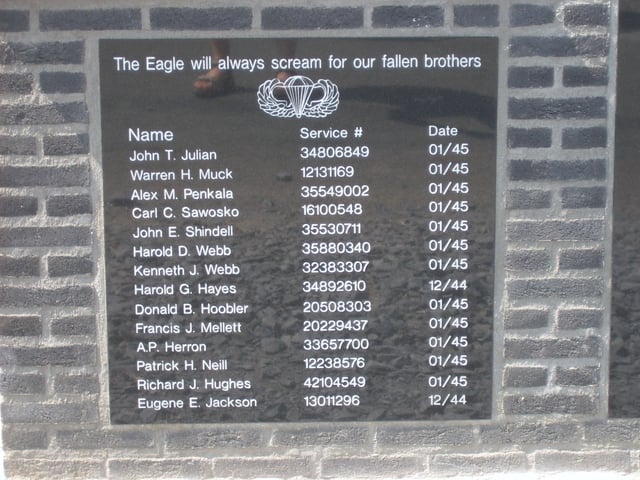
x=282 y=75
x=213 y=84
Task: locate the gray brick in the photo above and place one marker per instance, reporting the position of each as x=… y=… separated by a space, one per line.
x=63 y=82
x=53 y=53
x=24 y=439
x=39 y=468
x=584 y=461
x=91 y=19
x=408 y=16
x=529 y=137
x=21 y=83
x=579 y=376
x=19 y=266
x=65 y=205
x=606 y=432
x=66 y=144
x=102 y=439
x=478 y=464
x=14 y=20
x=76 y=384
x=555 y=288
x=215 y=437
x=69 y=326
x=67 y=355
x=584 y=197
x=286 y=18
x=516 y=318
x=17 y=145
x=528 y=260
x=557 y=170
x=585 y=46
x=65 y=266
x=339 y=435
x=475 y=15
x=590 y=137
x=59 y=176
x=550 y=404
x=581 y=258
x=35 y=297
x=573 y=318
x=164 y=468
x=578 y=347
x=68 y=413
x=20 y=326
x=22 y=384
x=555 y=230
x=530 y=77
x=523 y=15
x=54 y=114
x=18 y=206
x=423 y=436
x=573 y=76
x=45 y=237
x=557 y=108
x=377 y=466
x=236 y=18
x=525 y=376
x=528 y=433
x=520 y=199
x=586 y=15
x=264 y=467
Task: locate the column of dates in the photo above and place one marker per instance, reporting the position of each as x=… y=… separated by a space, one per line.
x=335 y=262
x=448 y=235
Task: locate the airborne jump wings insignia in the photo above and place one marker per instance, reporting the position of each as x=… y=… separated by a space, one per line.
x=298 y=96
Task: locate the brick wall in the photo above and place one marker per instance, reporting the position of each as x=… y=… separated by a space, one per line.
x=557 y=71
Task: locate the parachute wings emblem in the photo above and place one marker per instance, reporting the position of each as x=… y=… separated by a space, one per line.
x=298 y=96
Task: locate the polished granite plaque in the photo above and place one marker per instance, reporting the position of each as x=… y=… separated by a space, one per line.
x=299 y=230
x=624 y=384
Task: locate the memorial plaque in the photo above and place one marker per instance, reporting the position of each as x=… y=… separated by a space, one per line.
x=624 y=388
x=309 y=238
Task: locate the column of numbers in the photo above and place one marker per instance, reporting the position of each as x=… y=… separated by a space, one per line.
x=335 y=263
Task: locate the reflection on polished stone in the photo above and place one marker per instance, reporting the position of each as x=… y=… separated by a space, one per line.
x=624 y=389
x=308 y=245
